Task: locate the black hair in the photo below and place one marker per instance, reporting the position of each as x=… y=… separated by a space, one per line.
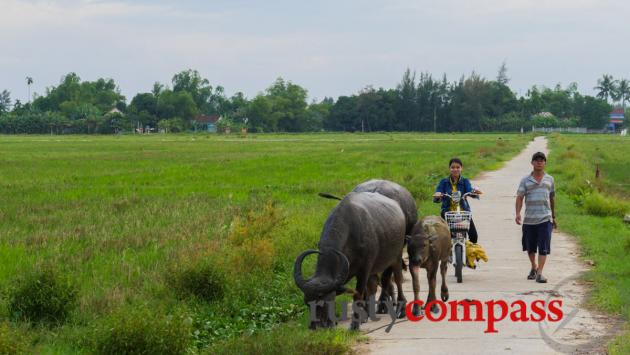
x=455 y=160
x=539 y=155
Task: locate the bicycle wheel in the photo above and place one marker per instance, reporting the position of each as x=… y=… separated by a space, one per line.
x=459 y=262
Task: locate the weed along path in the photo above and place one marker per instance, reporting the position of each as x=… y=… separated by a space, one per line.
x=502 y=278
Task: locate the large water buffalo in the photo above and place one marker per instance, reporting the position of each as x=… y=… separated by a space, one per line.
x=396 y=193
x=408 y=205
x=429 y=246
x=363 y=236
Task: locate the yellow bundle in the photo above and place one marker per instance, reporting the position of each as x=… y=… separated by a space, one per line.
x=474 y=253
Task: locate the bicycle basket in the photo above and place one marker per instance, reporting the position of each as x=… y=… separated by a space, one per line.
x=458 y=221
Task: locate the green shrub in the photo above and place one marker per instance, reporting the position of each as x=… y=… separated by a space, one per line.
x=141 y=331
x=11 y=342
x=545 y=121
x=288 y=339
x=621 y=345
x=596 y=204
x=202 y=280
x=251 y=238
x=571 y=169
x=577 y=189
x=42 y=296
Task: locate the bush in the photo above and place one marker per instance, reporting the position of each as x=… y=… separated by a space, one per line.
x=288 y=339
x=42 y=296
x=570 y=154
x=512 y=122
x=250 y=238
x=596 y=204
x=485 y=152
x=203 y=281
x=548 y=120
x=577 y=190
x=141 y=331
x=10 y=341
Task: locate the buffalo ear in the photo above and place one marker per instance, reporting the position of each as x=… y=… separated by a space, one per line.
x=342 y=275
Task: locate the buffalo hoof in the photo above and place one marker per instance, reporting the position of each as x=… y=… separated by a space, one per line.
x=354 y=325
x=382 y=308
x=435 y=308
x=444 y=296
x=401 y=312
x=416 y=310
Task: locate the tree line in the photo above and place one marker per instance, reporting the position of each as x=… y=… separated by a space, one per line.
x=420 y=102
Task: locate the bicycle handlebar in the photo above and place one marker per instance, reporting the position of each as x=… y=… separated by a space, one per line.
x=463 y=196
x=473 y=194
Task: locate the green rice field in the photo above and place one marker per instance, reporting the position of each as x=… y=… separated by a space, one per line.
x=185 y=243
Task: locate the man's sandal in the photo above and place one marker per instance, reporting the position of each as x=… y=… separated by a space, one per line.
x=532 y=274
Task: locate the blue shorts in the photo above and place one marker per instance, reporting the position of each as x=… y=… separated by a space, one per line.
x=537 y=236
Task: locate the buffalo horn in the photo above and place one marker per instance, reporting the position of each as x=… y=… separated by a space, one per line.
x=297 y=268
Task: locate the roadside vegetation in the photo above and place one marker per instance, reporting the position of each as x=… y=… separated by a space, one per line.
x=419 y=102
x=185 y=243
x=592 y=208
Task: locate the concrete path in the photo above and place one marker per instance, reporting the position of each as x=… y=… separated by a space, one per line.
x=502 y=278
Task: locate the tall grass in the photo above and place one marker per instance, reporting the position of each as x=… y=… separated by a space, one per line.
x=287 y=340
x=141 y=222
x=592 y=209
x=42 y=296
x=12 y=341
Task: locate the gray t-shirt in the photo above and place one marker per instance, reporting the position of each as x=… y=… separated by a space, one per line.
x=537 y=204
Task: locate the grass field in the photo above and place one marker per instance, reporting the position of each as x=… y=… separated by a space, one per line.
x=592 y=209
x=176 y=243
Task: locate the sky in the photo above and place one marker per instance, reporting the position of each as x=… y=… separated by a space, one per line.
x=331 y=48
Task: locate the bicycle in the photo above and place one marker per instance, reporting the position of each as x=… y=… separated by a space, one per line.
x=458 y=223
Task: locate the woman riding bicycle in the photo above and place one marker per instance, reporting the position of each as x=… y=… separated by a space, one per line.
x=449 y=185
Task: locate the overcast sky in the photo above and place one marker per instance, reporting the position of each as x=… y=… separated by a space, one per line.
x=331 y=48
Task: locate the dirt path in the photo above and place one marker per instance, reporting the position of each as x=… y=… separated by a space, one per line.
x=502 y=278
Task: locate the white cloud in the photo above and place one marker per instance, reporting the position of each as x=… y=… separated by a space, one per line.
x=20 y=15
x=330 y=47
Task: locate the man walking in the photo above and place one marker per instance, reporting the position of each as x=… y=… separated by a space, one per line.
x=537 y=189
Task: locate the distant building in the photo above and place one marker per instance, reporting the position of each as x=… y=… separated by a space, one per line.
x=544 y=114
x=206 y=122
x=617 y=117
x=114 y=111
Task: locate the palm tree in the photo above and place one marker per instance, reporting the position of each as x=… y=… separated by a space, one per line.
x=622 y=92
x=29 y=81
x=605 y=86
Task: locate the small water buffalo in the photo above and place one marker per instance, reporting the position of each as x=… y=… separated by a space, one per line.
x=362 y=236
x=429 y=246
